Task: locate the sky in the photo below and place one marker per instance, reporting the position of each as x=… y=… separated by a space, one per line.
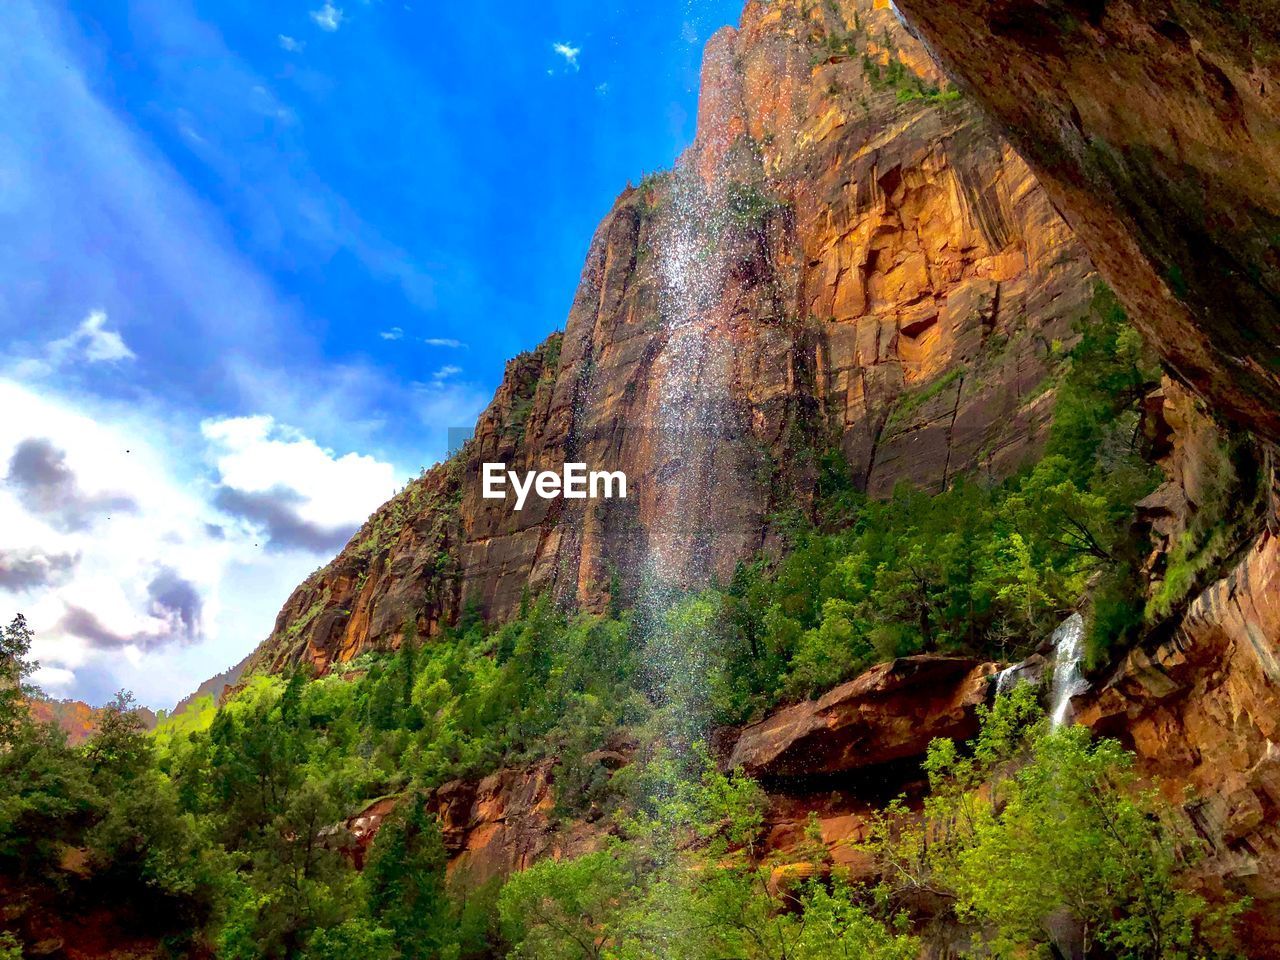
x=257 y=259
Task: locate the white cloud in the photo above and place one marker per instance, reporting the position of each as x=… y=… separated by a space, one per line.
x=290 y=44
x=161 y=596
x=444 y=342
x=328 y=17
x=98 y=343
x=448 y=371
x=90 y=342
x=569 y=52
x=395 y=333
x=257 y=457
x=602 y=89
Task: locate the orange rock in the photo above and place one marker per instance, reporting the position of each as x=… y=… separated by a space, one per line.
x=894 y=244
x=1155 y=127
x=1202 y=711
x=889 y=713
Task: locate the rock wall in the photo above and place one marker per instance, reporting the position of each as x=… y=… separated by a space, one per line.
x=1155 y=127
x=1202 y=711
x=77 y=719
x=860 y=263
x=890 y=713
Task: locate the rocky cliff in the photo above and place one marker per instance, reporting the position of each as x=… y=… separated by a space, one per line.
x=1202 y=712
x=848 y=258
x=1155 y=127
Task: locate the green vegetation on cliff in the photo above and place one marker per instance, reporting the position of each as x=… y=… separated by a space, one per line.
x=1026 y=833
x=225 y=831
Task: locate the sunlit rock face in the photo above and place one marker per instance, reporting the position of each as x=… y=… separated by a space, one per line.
x=848 y=257
x=1155 y=127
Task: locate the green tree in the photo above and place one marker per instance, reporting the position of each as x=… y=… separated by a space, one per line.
x=47 y=800
x=405 y=880
x=16 y=667
x=557 y=910
x=1031 y=830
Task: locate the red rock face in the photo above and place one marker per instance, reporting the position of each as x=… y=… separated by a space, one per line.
x=1202 y=711
x=77 y=719
x=842 y=260
x=1155 y=127
x=503 y=824
x=890 y=713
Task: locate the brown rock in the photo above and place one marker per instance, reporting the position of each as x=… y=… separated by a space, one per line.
x=77 y=719
x=887 y=277
x=1155 y=127
x=1202 y=711
x=889 y=713
x=502 y=824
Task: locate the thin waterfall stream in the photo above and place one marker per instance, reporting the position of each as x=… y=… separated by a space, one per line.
x=1068 y=672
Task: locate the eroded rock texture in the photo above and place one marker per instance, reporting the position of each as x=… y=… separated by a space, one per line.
x=890 y=713
x=848 y=257
x=1155 y=127
x=1202 y=711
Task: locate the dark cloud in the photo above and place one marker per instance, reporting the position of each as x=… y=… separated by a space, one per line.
x=24 y=569
x=276 y=510
x=45 y=485
x=181 y=611
x=215 y=531
x=79 y=622
x=174 y=600
x=178 y=602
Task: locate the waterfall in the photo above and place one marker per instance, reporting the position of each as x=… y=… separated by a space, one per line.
x=1068 y=675
x=1005 y=678
x=691 y=415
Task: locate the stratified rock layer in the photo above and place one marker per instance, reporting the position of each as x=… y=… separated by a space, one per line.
x=848 y=257
x=1202 y=711
x=1155 y=127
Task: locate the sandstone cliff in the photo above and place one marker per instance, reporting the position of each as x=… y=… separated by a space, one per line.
x=1155 y=127
x=1202 y=712
x=848 y=257
x=77 y=719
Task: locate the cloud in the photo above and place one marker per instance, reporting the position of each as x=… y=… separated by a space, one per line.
x=570 y=54
x=328 y=17
x=30 y=568
x=84 y=624
x=444 y=404
x=45 y=485
x=446 y=372
x=177 y=601
x=300 y=495
x=290 y=44
x=98 y=344
x=602 y=89
x=397 y=333
x=168 y=592
x=90 y=343
x=169 y=624
x=276 y=512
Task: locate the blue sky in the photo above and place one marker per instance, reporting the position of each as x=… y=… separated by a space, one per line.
x=255 y=259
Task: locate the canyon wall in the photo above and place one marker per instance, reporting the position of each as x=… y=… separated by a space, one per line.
x=1202 y=712
x=1155 y=127
x=869 y=269
x=890 y=280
